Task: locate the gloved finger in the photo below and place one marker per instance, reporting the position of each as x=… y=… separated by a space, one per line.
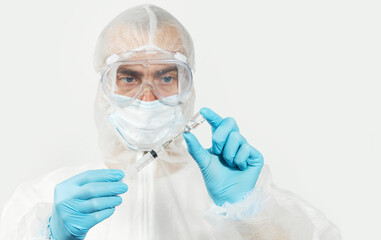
x=221 y=133
x=98 y=204
x=234 y=141
x=211 y=117
x=100 y=175
x=255 y=158
x=97 y=217
x=100 y=189
x=242 y=156
x=199 y=154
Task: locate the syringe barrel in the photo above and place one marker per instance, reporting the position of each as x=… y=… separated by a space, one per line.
x=148 y=158
x=142 y=162
x=131 y=171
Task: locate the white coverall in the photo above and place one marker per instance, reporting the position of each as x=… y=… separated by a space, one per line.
x=168 y=198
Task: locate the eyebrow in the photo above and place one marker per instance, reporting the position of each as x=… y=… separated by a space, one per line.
x=130 y=72
x=164 y=71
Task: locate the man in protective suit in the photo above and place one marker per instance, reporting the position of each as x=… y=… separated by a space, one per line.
x=145 y=97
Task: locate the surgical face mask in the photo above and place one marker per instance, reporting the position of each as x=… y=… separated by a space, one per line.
x=143 y=125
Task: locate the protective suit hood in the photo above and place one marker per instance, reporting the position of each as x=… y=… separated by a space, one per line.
x=142 y=28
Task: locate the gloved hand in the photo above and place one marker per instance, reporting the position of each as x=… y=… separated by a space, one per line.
x=231 y=166
x=83 y=201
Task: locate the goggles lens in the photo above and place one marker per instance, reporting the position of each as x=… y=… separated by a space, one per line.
x=169 y=80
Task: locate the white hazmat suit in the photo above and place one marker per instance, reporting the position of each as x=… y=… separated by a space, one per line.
x=168 y=198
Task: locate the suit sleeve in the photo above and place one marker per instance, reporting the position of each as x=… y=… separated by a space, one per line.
x=269 y=212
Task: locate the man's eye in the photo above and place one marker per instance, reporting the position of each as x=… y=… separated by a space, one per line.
x=127 y=79
x=167 y=79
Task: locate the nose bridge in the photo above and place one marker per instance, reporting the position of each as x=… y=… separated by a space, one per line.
x=147 y=92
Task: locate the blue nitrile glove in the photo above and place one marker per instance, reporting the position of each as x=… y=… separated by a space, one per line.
x=83 y=201
x=231 y=166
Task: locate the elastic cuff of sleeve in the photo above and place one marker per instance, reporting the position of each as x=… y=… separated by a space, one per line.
x=241 y=210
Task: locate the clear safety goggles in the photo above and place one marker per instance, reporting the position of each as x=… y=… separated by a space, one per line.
x=165 y=74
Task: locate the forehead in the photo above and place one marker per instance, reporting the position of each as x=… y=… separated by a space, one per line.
x=129 y=68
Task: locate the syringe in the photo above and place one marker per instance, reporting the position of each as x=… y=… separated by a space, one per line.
x=151 y=155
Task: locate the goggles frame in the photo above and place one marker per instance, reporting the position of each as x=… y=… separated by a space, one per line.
x=128 y=100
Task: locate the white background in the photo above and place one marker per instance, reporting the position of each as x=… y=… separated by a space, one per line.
x=302 y=79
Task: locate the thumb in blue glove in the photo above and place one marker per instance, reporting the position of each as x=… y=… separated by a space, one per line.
x=231 y=166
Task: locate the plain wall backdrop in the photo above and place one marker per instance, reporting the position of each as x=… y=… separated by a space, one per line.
x=301 y=78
